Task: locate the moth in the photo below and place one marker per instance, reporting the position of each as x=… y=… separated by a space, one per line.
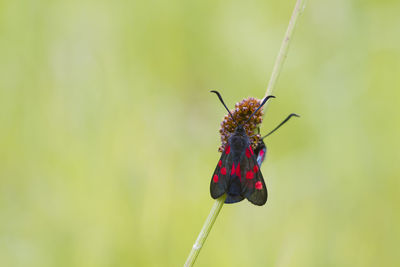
x=238 y=171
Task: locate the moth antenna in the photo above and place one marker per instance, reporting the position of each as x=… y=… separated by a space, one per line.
x=262 y=104
x=280 y=124
x=223 y=103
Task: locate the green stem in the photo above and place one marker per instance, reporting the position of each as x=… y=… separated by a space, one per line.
x=283 y=51
x=298 y=9
x=205 y=231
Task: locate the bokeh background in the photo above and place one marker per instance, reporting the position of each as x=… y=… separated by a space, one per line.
x=109 y=135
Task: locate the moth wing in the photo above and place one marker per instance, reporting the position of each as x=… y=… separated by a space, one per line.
x=253 y=185
x=261 y=152
x=220 y=177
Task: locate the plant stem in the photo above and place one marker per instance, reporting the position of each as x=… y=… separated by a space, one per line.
x=298 y=9
x=283 y=51
x=205 y=231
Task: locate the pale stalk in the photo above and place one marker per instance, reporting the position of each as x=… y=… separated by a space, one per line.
x=205 y=230
x=283 y=51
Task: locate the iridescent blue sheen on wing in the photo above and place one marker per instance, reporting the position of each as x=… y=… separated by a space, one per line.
x=261 y=152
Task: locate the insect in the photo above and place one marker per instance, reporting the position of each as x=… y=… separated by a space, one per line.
x=237 y=173
x=261 y=149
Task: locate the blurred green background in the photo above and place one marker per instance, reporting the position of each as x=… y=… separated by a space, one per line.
x=109 y=135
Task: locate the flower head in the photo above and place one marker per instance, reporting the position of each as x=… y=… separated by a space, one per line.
x=241 y=113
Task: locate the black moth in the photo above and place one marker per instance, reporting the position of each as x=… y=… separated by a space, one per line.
x=238 y=172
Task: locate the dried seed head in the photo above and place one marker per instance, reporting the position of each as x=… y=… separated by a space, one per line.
x=241 y=113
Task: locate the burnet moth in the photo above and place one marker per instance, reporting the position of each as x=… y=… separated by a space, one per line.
x=237 y=173
x=261 y=149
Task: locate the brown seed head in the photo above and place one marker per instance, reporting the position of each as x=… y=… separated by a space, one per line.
x=241 y=113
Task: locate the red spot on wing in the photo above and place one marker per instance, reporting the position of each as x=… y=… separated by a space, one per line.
x=262 y=153
x=250 y=175
x=223 y=171
x=255 y=168
x=248 y=155
x=233 y=169
x=251 y=150
x=227 y=150
x=219 y=163
x=258 y=185
x=238 y=170
x=215 y=178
